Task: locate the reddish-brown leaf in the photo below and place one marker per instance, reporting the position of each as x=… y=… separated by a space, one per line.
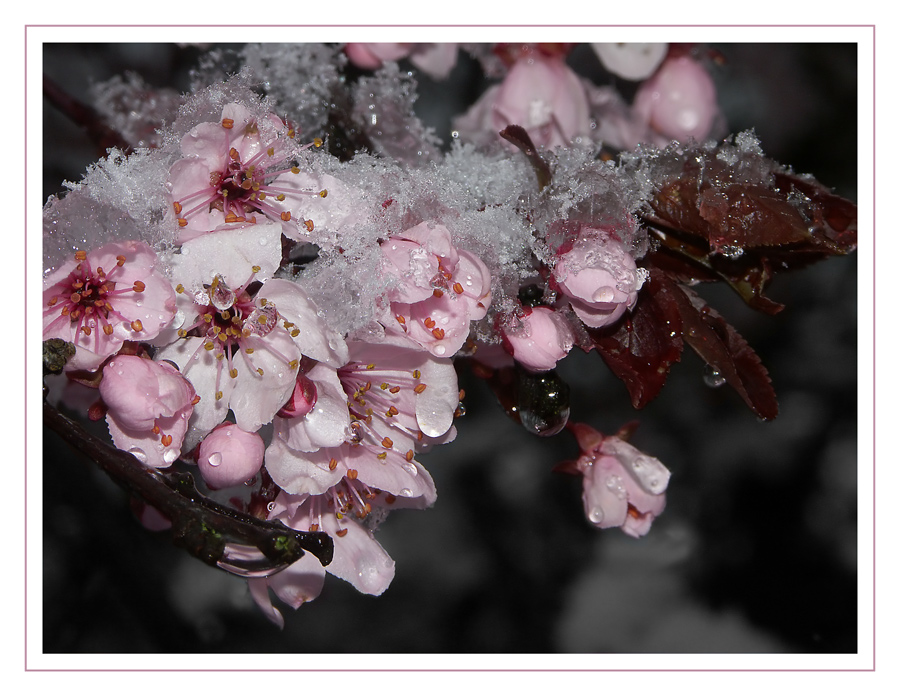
x=725 y=350
x=640 y=349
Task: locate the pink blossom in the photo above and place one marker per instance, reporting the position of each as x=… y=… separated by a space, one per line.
x=229 y=456
x=243 y=333
x=237 y=171
x=540 y=338
x=105 y=297
x=401 y=399
x=623 y=487
x=438 y=291
x=678 y=101
x=434 y=59
x=149 y=404
x=541 y=94
x=598 y=277
x=633 y=61
x=347 y=512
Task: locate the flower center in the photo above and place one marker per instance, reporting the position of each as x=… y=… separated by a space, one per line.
x=242 y=189
x=88 y=295
x=227 y=318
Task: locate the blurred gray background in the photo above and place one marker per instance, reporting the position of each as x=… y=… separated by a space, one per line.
x=756 y=551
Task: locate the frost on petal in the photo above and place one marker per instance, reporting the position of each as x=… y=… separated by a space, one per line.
x=314 y=337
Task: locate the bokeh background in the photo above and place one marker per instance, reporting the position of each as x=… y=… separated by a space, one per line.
x=755 y=553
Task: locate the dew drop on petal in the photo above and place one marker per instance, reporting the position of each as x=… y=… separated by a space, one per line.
x=271 y=506
x=411 y=468
x=139 y=454
x=170 y=455
x=215 y=459
x=405 y=492
x=439 y=350
x=595 y=515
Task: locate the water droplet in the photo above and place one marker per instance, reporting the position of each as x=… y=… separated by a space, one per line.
x=411 y=468
x=215 y=459
x=595 y=515
x=712 y=377
x=542 y=402
x=614 y=484
x=139 y=454
x=271 y=506
x=263 y=241
x=405 y=492
x=439 y=350
x=170 y=455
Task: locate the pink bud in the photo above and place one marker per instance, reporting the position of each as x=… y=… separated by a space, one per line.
x=622 y=487
x=229 y=456
x=599 y=277
x=541 y=339
x=302 y=399
x=679 y=101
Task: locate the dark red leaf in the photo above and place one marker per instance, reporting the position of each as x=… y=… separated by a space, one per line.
x=725 y=350
x=640 y=350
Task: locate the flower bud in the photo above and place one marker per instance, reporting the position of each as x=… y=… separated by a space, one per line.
x=623 y=487
x=229 y=456
x=599 y=278
x=679 y=101
x=541 y=339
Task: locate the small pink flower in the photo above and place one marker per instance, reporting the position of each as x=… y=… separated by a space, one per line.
x=400 y=399
x=149 y=404
x=434 y=59
x=540 y=339
x=105 y=297
x=244 y=333
x=623 y=487
x=344 y=513
x=679 y=101
x=439 y=288
x=541 y=94
x=229 y=456
x=598 y=277
x=236 y=172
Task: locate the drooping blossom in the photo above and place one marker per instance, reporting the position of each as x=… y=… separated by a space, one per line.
x=399 y=399
x=348 y=512
x=149 y=404
x=243 y=333
x=539 y=93
x=102 y=298
x=237 y=171
x=623 y=487
x=678 y=102
x=597 y=276
x=633 y=61
x=438 y=288
x=538 y=339
x=229 y=456
x=434 y=59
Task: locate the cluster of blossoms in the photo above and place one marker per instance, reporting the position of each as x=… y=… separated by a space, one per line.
x=274 y=310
